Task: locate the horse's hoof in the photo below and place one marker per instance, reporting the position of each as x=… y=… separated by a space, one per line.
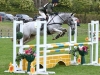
x=65 y=30
x=53 y=39
x=11 y=39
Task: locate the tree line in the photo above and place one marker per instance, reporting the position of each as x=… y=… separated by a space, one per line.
x=30 y=7
x=77 y=6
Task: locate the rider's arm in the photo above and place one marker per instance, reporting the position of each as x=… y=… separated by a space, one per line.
x=50 y=8
x=41 y=8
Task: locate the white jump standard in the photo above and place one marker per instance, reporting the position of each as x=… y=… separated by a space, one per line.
x=94 y=28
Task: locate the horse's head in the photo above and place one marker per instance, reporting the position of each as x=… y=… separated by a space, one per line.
x=71 y=22
x=62 y=17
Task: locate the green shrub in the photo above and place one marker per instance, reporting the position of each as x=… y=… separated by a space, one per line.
x=4 y=5
x=88 y=17
x=16 y=5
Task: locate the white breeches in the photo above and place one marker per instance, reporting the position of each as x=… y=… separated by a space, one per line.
x=42 y=14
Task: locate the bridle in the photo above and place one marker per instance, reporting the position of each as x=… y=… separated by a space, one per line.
x=54 y=22
x=57 y=23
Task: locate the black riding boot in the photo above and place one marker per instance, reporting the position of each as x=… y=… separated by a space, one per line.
x=47 y=17
x=42 y=26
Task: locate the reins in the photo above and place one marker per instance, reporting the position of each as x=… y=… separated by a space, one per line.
x=51 y=20
x=54 y=22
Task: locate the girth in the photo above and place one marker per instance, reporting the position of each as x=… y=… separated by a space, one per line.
x=55 y=23
x=48 y=32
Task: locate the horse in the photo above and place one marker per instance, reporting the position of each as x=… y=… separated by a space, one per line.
x=54 y=25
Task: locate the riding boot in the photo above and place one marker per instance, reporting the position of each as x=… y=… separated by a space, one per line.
x=47 y=17
x=42 y=26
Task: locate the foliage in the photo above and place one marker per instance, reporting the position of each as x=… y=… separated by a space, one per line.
x=80 y=6
x=4 y=5
x=96 y=6
x=63 y=6
x=76 y=6
x=16 y=5
x=27 y=5
x=27 y=55
x=82 y=50
x=67 y=3
x=19 y=35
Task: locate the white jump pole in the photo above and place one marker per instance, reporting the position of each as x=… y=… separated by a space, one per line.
x=14 y=42
x=89 y=26
x=43 y=70
x=74 y=40
x=93 y=28
x=21 y=43
x=97 y=35
x=44 y=46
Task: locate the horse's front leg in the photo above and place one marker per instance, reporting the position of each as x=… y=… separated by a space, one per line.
x=63 y=30
x=59 y=33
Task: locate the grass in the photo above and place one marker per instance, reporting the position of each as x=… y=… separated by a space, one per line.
x=6 y=51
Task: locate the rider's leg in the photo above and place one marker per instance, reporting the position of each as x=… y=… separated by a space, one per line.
x=42 y=14
x=47 y=17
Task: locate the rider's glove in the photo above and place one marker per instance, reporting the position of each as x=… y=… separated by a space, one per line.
x=56 y=13
x=51 y=13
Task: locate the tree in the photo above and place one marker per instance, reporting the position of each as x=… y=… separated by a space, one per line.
x=80 y=6
x=23 y=5
x=96 y=7
x=63 y=6
x=4 y=5
x=16 y=5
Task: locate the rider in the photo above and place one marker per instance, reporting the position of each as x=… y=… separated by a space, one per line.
x=48 y=9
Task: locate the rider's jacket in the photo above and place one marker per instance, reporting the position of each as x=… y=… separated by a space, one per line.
x=47 y=8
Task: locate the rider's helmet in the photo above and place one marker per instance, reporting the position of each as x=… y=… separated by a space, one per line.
x=55 y=2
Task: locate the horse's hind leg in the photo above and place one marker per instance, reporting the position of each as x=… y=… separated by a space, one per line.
x=56 y=37
x=63 y=31
x=59 y=33
x=62 y=34
x=29 y=39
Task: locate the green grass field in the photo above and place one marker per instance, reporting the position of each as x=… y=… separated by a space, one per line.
x=6 y=51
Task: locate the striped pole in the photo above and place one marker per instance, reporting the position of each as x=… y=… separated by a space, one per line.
x=56 y=45
x=56 y=50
